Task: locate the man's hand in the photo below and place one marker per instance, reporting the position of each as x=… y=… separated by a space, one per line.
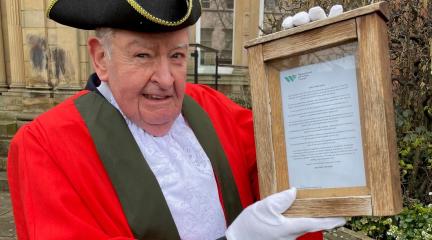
x=264 y=220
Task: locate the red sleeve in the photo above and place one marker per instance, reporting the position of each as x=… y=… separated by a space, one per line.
x=45 y=204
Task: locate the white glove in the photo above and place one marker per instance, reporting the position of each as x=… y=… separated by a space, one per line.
x=317 y=13
x=264 y=220
x=335 y=10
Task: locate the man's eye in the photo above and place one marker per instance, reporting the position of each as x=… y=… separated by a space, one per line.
x=177 y=55
x=142 y=55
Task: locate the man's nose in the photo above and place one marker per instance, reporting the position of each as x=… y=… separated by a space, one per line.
x=162 y=75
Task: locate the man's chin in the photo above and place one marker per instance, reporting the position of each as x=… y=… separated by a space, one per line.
x=157 y=129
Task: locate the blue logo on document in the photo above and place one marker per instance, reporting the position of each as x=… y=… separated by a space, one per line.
x=290 y=78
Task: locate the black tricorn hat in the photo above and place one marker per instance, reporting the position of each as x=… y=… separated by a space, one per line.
x=134 y=15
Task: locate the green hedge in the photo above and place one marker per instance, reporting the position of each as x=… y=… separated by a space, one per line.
x=415 y=222
x=415 y=161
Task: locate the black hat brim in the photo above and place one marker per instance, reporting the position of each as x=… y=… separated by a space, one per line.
x=134 y=15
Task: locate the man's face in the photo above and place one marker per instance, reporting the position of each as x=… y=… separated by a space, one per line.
x=147 y=73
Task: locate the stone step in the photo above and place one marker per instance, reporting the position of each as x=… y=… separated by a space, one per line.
x=8 y=129
x=37 y=104
x=343 y=233
x=3 y=164
x=241 y=70
x=4 y=187
x=11 y=103
x=4 y=146
x=7 y=115
x=7 y=223
x=24 y=118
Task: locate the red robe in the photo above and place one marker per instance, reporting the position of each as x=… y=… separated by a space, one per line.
x=60 y=189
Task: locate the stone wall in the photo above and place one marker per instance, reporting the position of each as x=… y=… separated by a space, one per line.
x=43 y=62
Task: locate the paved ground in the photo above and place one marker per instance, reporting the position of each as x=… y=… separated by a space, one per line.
x=7 y=226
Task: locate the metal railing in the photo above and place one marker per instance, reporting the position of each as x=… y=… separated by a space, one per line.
x=198 y=52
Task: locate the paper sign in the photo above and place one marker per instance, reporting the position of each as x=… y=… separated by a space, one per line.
x=322 y=125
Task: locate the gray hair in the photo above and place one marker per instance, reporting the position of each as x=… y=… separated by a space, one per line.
x=105 y=35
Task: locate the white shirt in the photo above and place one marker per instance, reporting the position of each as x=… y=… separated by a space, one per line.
x=185 y=175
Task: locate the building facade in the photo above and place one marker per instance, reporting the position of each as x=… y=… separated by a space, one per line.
x=43 y=62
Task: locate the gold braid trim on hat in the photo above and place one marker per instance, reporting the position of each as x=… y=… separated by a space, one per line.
x=50 y=7
x=157 y=20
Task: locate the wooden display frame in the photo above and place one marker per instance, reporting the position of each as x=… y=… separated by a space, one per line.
x=367 y=26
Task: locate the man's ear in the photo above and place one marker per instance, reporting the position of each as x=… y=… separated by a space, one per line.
x=99 y=57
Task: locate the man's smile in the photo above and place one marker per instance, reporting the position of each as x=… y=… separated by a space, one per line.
x=156 y=97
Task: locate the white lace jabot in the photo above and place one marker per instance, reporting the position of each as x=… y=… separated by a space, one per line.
x=185 y=175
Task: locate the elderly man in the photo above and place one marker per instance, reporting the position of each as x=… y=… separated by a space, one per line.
x=143 y=155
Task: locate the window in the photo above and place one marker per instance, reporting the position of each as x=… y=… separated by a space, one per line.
x=206 y=36
x=269 y=5
x=229 y=4
x=205 y=3
x=217 y=32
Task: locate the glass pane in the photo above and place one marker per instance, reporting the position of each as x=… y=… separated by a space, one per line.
x=205 y=3
x=322 y=119
x=229 y=4
x=217 y=28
